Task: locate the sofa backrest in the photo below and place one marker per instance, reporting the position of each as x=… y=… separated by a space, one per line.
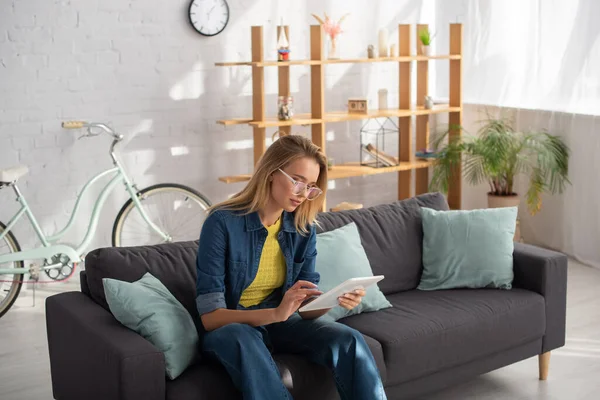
x=390 y=233
x=392 y=236
x=174 y=264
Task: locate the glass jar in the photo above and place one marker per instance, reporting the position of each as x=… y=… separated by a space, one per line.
x=285 y=108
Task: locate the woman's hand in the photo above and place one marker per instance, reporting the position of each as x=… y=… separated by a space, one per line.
x=353 y=299
x=293 y=298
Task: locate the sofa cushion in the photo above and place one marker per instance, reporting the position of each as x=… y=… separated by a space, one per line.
x=340 y=256
x=174 y=264
x=425 y=332
x=148 y=308
x=304 y=379
x=392 y=235
x=468 y=248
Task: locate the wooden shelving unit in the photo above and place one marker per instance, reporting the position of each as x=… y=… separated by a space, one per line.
x=318 y=117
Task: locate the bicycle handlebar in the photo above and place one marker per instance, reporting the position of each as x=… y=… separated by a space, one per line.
x=73 y=124
x=90 y=127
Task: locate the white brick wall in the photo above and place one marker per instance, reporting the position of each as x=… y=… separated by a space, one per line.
x=139 y=66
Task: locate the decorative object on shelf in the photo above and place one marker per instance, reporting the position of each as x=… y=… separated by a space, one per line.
x=394 y=50
x=383 y=43
x=497 y=154
x=385 y=159
x=371 y=51
x=383 y=99
x=333 y=30
x=358 y=106
x=207 y=17
x=428 y=104
x=285 y=108
x=283 y=46
x=330 y=162
x=372 y=142
x=345 y=205
x=426 y=39
x=426 y=153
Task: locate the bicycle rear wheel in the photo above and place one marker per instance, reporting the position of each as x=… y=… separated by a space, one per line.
x=10 y=285
x=178 y=210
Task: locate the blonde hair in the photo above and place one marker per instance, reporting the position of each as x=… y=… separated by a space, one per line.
x=282 y=152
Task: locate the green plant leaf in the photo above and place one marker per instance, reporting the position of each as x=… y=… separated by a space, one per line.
x=497 y=154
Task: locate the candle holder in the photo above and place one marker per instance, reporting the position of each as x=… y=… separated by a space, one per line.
x=383 y=43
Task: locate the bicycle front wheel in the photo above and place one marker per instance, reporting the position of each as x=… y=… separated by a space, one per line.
x=10 y=285
x=177 y=210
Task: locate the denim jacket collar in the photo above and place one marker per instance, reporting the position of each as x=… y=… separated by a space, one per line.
x=254 y=223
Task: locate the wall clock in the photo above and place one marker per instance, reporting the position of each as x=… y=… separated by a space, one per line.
x=209 y=17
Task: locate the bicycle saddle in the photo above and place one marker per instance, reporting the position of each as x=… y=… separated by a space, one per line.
x=8 y=175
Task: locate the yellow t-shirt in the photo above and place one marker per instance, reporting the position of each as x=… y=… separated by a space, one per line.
x=271 y=270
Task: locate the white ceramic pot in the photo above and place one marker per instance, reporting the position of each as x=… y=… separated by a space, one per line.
x=425 y=50
x=503 y=201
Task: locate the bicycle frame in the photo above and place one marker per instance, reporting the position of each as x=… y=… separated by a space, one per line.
x=50 y=249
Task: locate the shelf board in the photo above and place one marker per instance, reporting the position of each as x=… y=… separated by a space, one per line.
x=339 y=116
x=235 y=178
x=349 y=170
x=285 y=63
x=273 y=63
x=299 y=119
x=391 y=59
x=233 y=64
x=234 y=121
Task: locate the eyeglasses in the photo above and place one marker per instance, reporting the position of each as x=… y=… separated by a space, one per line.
x=299 y=187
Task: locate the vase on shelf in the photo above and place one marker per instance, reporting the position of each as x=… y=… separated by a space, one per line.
x=332 y=48
x=428 y=103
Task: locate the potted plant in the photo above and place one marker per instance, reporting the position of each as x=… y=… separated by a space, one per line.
x=426 y=39
x=497 y=155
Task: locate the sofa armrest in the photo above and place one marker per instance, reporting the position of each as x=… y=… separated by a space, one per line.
x=93 y=356
x=545 y=272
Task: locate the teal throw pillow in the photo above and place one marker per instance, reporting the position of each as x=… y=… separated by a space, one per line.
x=341 y=256
x=468 y=248
x=147 y=307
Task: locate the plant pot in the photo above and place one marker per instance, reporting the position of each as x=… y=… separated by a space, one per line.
x=507 y=201
x=503 y=201
x=425 y=50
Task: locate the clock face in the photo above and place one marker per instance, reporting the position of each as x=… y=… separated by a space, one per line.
x=209 y=17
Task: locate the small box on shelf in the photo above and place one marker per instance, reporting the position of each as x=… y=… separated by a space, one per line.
x=358 y=106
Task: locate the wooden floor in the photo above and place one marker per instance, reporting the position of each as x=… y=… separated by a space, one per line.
x=574 y=369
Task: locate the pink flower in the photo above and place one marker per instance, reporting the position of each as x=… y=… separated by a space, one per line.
x=332 y=28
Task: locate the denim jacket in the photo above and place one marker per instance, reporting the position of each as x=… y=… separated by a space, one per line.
x=229 y=253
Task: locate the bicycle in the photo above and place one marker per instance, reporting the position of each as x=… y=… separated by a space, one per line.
x=160 y=211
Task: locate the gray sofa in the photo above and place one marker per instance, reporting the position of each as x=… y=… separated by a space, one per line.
x=425 y=342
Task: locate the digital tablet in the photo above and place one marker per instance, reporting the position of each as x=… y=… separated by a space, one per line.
x=330 y=298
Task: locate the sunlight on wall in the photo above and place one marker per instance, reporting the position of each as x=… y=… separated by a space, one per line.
x=144 y=126
x=180 y=151
x=191 y=86
x=239 y=144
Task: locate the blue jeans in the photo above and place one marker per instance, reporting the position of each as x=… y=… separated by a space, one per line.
x=245 y=352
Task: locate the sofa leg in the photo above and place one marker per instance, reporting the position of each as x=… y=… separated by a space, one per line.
x=544 y=361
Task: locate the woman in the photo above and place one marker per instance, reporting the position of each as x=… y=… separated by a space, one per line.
x=256 y=267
